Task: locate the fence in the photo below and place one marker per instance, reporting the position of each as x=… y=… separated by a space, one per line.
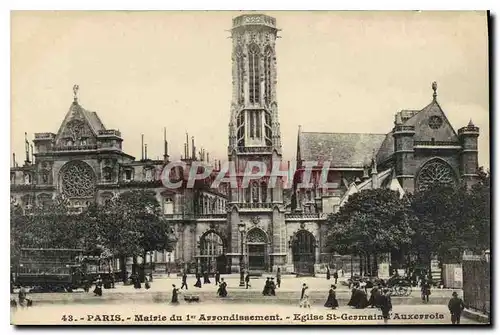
x=476 y=285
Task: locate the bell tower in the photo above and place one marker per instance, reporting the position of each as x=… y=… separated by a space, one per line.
x=256 y=211
x=254 y=125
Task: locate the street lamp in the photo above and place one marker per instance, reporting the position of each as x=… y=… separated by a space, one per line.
x=241 y=228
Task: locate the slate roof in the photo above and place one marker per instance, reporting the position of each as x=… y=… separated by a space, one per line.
x=341 y=149
x=94 y=120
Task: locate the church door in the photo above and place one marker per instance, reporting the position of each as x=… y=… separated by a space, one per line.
x=256 y=250
x=304 y=252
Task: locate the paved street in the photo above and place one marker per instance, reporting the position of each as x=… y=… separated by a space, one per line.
x=199 y=313
x=288 y=284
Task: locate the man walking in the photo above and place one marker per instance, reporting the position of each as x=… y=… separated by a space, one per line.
x=217 y=278
x=184 y=281
x=456 y=306
x=247 y=280
x=336 y=276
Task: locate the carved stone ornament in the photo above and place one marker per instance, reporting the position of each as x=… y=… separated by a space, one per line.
x=255 y=220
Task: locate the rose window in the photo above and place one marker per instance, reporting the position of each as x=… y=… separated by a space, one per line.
x=435 y=122
x=435 y=173
x=78 y=180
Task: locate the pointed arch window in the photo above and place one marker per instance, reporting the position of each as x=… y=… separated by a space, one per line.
x=253 y=67
x=240 y=129
x=240 y=74
x=263 y=191
x=268 y=75
x=267 y=128
x=435 y=172
x=255 y=193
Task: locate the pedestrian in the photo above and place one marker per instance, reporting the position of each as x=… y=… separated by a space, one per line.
x=175 y=294
x=22 y=296
x=331 y=301
x=147 y=285
x=327 y=273
x=198 y=280
x=206 y=280
x=456 y=306
x=151 y=277
x=336 y=276
x=272 y=287
x=217 y=278
x=86 y=285
x=425 y=289
x=247 y=280
x=342 y=272
x=265 y=291
x=184 y=281
x=98 y=287
x=374 y=297
x=278 y=278
x=222 y=291
x=385 y=304
x=304 y=300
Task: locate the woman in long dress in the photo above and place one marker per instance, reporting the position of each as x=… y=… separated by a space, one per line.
x=175 y=295
x=305 y=298
x=332 y=298
x=222 y=288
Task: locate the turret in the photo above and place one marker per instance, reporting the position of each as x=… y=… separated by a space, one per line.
x=468 y=160
x=403 y=154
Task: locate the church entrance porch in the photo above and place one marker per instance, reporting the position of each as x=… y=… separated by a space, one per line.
x=257 y=255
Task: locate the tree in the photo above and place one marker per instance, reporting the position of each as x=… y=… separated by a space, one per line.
x=452 y=220
x=371 y=222
x=130 y=225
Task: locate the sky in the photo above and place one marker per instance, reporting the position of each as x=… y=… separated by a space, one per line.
x=337 y=72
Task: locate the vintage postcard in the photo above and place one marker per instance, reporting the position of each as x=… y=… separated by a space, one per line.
x=245 y=168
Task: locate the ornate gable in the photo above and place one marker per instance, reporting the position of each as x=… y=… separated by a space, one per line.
x=79 y=127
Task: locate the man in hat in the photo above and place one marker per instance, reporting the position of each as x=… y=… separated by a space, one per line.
x=247 y=280
x=184 y=281
x=456 y=306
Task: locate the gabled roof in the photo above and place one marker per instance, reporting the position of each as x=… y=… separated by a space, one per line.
x=341 y=149
x=77 y=112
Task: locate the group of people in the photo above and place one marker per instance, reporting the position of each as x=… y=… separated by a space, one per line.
x=335 y=274
x=269 y=287
x=206 y=279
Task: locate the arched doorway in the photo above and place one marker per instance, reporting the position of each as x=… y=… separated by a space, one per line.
x=303 y=252
x=257 y=249
x=212 y=253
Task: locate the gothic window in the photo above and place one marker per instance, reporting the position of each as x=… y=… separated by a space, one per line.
x=241 y=129
x=77 y=180
x=27 y=200
x=256 y=235
x=435 y=172
x=254 y=75
x=258 y=124
x=267 y=128
x=263 y=190
x=247 y=194
x=27 y=178
x=267 y=68
x=240 y=70
x=255 y=192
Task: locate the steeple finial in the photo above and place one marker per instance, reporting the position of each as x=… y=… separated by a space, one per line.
x=434 y=88
x=75 y=92
x=471 y=124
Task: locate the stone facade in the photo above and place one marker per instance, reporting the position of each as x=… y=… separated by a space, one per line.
x=264 y=227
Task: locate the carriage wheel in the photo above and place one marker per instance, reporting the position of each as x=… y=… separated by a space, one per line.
x=408 y=290
x=403 y=291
